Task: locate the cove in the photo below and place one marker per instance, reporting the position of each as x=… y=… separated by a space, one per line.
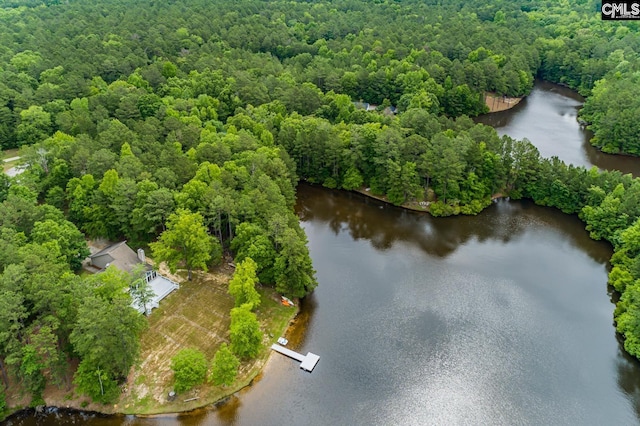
x=548 y=118
x=501 y=318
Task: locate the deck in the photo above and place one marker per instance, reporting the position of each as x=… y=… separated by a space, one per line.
x=307 y=362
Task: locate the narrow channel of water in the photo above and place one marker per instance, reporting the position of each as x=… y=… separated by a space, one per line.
x=548 y=118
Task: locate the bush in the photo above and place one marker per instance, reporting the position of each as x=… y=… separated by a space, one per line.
x=475 y=206
x=330 y=183
x=441 y=209
x=189 y=369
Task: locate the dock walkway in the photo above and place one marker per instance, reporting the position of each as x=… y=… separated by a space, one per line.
x=307 y=362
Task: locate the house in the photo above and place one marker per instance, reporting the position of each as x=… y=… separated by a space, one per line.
x=390 y=110
x=124 y=258
x=119 y=255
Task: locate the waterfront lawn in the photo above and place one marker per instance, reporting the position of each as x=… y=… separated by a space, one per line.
x=195 y=316
x=8 y=153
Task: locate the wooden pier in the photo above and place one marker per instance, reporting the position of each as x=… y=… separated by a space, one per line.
x=307 y=362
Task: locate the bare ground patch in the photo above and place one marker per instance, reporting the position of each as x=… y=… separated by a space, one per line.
x=500 y=103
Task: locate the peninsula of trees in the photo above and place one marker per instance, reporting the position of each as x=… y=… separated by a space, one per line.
x=186 y=126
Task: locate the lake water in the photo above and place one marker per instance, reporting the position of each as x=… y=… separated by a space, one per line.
x=503 y=318
x=548 y=118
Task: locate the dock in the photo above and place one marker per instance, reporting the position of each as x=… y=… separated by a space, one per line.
x=307 y=362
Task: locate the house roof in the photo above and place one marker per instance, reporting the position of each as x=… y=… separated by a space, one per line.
x=109 y=249
x=122 y=256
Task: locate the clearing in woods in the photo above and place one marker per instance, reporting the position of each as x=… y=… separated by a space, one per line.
x=195 y=316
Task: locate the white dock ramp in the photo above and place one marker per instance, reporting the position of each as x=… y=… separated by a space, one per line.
x=307 y=362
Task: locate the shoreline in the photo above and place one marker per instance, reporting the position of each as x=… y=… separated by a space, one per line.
x=160 y=408
x=414 y=206
x=208 y=405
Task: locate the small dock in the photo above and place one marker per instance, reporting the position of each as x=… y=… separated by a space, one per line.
x=307 y=362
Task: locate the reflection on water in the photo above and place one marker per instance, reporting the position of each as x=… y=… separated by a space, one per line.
x=548 y=118
x=385 y=224
x=502 y=318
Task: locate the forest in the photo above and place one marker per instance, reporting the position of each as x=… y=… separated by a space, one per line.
x=133 y=116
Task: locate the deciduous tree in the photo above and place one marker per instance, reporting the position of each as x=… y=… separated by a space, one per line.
x=185 y=242
x=189 y=369
x=243 y=284
x=245 y=332
x=224 y=367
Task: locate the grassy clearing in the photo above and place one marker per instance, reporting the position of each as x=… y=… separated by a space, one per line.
x=9 y=153
x=195 y=316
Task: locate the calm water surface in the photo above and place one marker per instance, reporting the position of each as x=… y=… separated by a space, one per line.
x=548 y=118
x=503 y=318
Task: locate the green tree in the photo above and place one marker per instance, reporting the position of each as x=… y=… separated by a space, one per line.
x=13 y=315
x=106 y=335
x=189 y=369
x=140 y=290
x=4 y=187
x=31 y=372
x=253 y=241
x=245 y=332
x=35 y=125
x=224 y=367
x=185 y=242
x=403 y=181
x=153 y=211
x=96 y=382
x=352 y=179
x=243 y=284
x=73 y=246
x=293 y=269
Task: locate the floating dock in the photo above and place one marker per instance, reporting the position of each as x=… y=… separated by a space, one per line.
x=307 y=362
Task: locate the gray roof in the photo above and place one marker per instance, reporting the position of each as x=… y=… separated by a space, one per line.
x=120 y=255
